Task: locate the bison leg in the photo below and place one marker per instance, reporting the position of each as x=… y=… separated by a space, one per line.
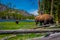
x=36 y=22
x=51 y=22
x=41 y=22
x=45 y=22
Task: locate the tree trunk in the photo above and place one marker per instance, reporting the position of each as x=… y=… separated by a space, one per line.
x=57 y=15
x=25 y=31
x=6 y=17
x=43 y=6
x=51 y=7
x=39 y=7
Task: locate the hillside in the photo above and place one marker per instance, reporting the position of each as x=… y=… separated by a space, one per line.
x=23 y=12
x=11 y=13
x=2 y=7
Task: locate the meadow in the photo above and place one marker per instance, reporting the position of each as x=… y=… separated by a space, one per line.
x=14 y=26
x=21 y=25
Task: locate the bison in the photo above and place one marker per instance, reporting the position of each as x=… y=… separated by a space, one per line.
x=44 y=19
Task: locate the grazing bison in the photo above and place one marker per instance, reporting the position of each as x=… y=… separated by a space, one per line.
x=17 y=22
x=44 y=19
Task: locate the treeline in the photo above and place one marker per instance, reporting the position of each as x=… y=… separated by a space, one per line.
x=51 y=7
x=14 y=14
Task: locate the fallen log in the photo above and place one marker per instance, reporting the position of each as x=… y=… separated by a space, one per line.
x=23 y=31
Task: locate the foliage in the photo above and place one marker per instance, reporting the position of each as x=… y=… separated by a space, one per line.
x=55 y=10
x=15 y=15
x=11 y=13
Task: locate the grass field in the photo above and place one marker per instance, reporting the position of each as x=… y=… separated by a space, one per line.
x=14 y=26
x=26 y=36
x=21 y=36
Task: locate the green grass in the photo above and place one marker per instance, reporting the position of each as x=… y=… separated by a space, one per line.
x=13 y=25
x=21 y=36
x=21 y=25
x=26 y=36
x=4 y=35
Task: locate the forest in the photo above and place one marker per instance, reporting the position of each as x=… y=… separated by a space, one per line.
x=51 y=7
